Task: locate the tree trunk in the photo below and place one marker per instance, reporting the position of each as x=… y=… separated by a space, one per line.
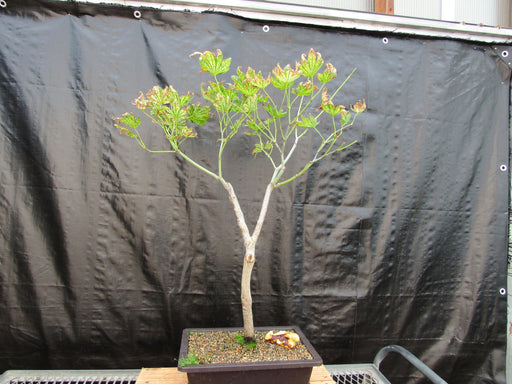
x=249 y=257
x=246 y=296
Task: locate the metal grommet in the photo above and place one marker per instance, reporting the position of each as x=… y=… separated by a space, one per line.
x=137 y=14
x=385 y=40
x=504 y=53
x=3 y=3
x=503 y=167
x=266 y=28
x=503 y=291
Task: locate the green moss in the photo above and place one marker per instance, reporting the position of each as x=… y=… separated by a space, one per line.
x=241 y=341
x=239 y=338
x=190 y=359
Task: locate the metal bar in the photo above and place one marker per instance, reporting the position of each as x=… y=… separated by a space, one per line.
x=329 y=17
x=420 y=365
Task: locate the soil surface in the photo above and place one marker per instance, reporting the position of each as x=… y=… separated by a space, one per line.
x=223 y=347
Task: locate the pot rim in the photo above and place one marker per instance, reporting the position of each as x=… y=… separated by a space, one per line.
x=258 y=365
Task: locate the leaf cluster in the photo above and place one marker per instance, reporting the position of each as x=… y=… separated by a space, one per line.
x=170 y=110
x=278 y=123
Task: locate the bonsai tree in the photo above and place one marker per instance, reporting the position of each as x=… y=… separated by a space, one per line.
x=278 y=111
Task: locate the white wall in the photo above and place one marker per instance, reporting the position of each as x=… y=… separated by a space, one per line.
x=487 y=12
x=352 y=5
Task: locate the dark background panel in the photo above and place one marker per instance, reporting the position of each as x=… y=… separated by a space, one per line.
x=107 y=252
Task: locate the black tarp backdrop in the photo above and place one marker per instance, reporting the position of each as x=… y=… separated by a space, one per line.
x=108 y=252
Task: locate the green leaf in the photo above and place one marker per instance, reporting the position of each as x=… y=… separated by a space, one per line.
x=223 y=98
x=184 y=100
x=308 y=122
x=126 y=131
x=158 y=96
x=243 y=83
x=161 y=112
x=345 y=117
x=246 y=88
x=258 y=148
x=248 y=105
x=331 y=109
x=130 y=120
x=274 y=112
x=250 y=82
x=198 y=114
x=285 y=78
x=127 y=124
x=254 y=126
x=186 y=132
x=312 y=64
x=328 y=75
x=328 y=106
x=304 y=89
x=215 y=64
x=235 y=127
x=282 y=84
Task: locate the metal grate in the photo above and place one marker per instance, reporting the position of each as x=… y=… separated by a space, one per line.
x=70 y=377
x=356 y=374
x=356 y=378
x=78 y=380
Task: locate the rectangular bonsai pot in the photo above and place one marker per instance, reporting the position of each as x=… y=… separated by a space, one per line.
x=266 y=372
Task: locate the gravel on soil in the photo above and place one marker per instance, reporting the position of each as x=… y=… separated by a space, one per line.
x=222 y=347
